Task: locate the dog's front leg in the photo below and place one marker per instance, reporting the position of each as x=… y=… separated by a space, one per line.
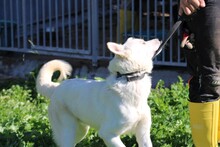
x=143 y=132
x=111 y=140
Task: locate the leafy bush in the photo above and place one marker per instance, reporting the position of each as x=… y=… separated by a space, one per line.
x=170 y=115
x=24 y=121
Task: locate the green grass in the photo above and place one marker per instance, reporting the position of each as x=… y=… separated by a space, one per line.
x=24 y=118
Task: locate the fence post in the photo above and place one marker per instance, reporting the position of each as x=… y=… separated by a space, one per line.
x=95 y=31
x=24 y=32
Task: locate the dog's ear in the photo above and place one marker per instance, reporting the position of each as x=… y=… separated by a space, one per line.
x=117 y=49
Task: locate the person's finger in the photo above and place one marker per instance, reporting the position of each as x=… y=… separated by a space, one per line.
x=202 y=3
x=180 y=11
x=191 y=8
x=187 y=7
x=187 y=11
x=184 y=41
x=189 y=45
x=194 y=3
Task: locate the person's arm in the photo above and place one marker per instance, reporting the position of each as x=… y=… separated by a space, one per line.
x=190 y=6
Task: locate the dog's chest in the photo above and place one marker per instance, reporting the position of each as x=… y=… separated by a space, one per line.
x=132 y=95
x=133 y=100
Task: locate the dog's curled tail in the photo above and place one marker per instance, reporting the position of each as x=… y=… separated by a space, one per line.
x=44 y=83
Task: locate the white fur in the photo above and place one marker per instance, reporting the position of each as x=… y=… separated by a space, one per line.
x=113 y=107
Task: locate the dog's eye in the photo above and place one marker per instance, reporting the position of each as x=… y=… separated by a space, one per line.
x=143 y=42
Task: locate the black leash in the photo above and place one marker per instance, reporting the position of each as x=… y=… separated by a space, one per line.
x=172 y=31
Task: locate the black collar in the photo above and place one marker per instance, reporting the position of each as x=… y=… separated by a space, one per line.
x=133 y=76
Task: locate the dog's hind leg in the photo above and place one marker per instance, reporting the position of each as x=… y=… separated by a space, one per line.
x=55 y=125
x=111 y=140
x=71 y=132
x=67 y=130
x=81 y=131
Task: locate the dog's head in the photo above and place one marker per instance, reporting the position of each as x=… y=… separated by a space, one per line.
x=132 y=56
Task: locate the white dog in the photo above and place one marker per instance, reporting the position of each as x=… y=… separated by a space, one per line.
x=113 y=107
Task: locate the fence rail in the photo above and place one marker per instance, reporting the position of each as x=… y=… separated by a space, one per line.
x=81 y=28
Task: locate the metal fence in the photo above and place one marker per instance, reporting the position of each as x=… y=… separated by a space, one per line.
x=81 y=28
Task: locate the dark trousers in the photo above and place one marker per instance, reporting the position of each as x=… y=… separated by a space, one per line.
x=203 y=61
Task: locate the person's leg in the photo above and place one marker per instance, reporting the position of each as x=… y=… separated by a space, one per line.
x=208 y=47
x=204 y=123
x=205 y=68
x=204 y=61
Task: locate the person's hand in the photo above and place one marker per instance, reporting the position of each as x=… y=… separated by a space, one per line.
x=187 y=41
x=190 y=6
